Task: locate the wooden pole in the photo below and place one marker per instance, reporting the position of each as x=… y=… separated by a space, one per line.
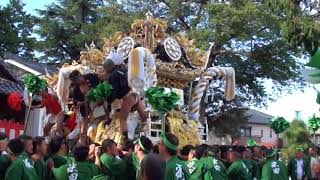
x=28 y=114
x=163 y=119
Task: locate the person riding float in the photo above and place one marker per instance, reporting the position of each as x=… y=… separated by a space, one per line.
x=82 y=85
x=124 y=102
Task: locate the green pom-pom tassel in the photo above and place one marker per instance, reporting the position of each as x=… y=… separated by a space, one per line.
x=251 y=142
x=279 y=125
x=34 y=84
x=100 y=93
x=162 y=99
x=314 y=123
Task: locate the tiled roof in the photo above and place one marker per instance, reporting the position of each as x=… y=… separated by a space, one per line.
x=8 y=87
x=258 y=117
x=5 y=74
x=36 y=66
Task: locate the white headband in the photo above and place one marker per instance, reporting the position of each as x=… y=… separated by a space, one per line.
x=115 y=57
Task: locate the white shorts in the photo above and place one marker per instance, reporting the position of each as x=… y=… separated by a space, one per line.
x=52 y=119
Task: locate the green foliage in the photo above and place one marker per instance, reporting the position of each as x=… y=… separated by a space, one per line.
x=34 y=84
x=100 y=93
x=162 y=99
x=296 y=136
x=228 y=121
x=66 y=26
x=279 y=125
x=246 y=35
x=318 y=98
x=16 y=28
x=314 y=123
x=299 y=24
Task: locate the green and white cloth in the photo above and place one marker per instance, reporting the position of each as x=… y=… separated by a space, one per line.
x=196 y=169
x=22 y=169
x=113 y=168
x=76 y=171
x=274 y=170
x=214 y=169
x=239 y=171
x=4 y=165
x=176 y=170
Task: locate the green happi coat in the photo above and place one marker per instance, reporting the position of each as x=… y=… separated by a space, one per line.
x=292 y=168
x=39 y=166
x=239 y=171
x=4 y=165
x=196 y=169
x=253 y=168
x=58 y=162
x=76 y=171
x=214 y=169
x=274 y=170
x=22 y=169
x=113 y=168
x=176 y=170
x=133 y=167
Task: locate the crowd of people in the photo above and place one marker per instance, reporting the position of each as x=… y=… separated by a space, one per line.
x=27 y=158
x=78 y=156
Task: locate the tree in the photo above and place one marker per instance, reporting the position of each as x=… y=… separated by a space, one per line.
x=16 y=28
x=296 y=136
x=66 y=26
x=300 y=22
x=314 y=125
x=228 y=121
x=246 y=35
x=279 y=125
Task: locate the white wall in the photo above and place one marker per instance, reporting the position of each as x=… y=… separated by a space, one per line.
x=256 y=131
x=212 y=139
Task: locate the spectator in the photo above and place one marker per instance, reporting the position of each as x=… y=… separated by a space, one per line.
x=252 y=164
x=40 y=152
x=81 y=169
x=92 y=148
x=175 y=168
x=299 y=166
x=128 y=147
x=22 y=166
x=3 y=143
x=4 y=158
x=58 y=149
x=195 y=166
x=184 y=153
x=28 y=144
x=55 y=114
x=110 y=163
x=153 y=167
x=313 y=159
x=143 y=146
x=273 y=169
x=238 y=169
x=316 y=170
x=214 y=167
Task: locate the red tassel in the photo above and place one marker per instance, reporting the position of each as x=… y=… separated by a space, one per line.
x=14 y=101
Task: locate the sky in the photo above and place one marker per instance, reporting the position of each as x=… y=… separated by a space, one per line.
x=285 y=106
x=31 y=5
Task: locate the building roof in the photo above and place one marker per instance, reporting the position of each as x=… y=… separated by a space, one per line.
x=5 y=74
x=8 y=87
x=258 y=117
x=34 y=67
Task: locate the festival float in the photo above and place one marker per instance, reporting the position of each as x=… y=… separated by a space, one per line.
x=154 y=59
